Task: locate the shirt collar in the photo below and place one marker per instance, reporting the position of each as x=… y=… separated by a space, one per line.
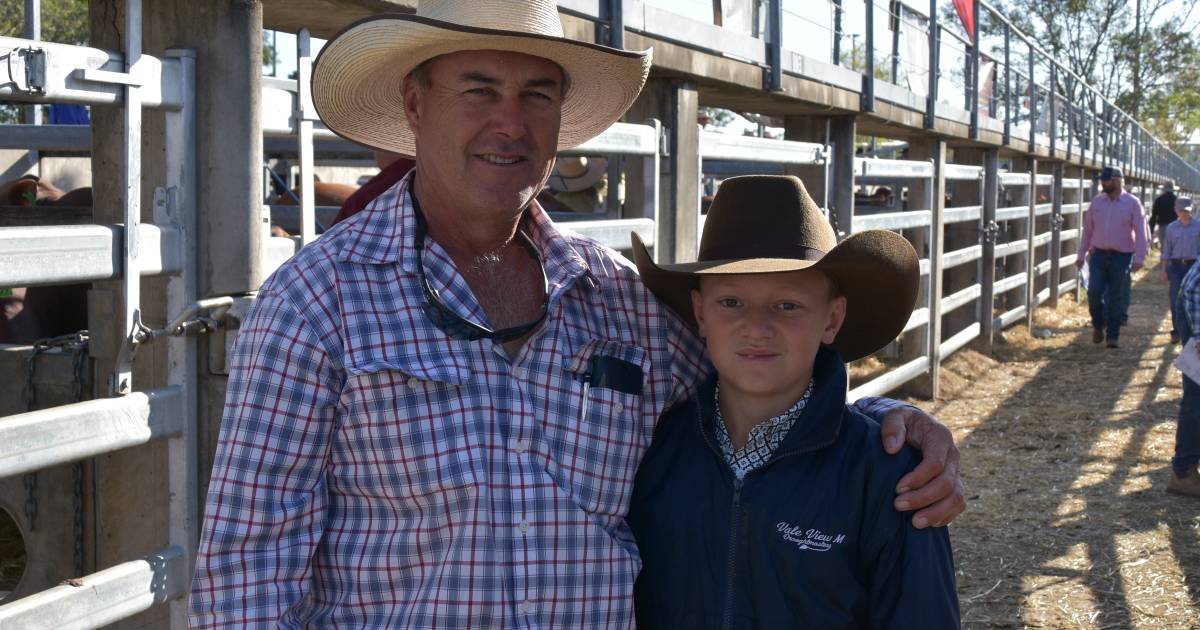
x=385 y=235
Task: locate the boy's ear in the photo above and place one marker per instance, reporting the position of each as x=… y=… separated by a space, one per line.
x=697 y=311
x=837 y=316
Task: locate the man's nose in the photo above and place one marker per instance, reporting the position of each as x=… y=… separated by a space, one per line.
x=508 y=116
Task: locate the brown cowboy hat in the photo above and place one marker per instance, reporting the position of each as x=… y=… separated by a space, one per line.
x=769 y=224
x=357 y=77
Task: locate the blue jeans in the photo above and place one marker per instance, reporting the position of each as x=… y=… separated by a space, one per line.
x=1187 y=427
x=1176 y=270
x=1108 y=290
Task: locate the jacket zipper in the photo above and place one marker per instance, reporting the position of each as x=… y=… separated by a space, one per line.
x=735 y=532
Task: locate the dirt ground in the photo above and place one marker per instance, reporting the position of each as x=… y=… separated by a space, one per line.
x=1066 y=450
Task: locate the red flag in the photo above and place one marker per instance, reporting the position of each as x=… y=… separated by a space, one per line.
x=966 y=13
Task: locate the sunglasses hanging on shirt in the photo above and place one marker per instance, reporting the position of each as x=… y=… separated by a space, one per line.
x=451 y=323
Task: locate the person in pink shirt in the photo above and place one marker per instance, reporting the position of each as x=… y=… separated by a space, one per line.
x=1114 y=244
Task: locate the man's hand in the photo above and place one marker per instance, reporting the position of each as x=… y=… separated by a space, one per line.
x=1137 y=266
x=934 y=486
x=1079 y=263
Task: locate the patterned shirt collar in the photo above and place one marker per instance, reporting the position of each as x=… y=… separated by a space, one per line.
x=764 y=437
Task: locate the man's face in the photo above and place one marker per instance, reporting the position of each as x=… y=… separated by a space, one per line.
x=1184 y=215
x=1110 y=186
x=486 y=128
x=763 y=331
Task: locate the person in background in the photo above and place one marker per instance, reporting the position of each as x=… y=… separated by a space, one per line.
x=1114 y=244
x=1180 y=246
x=1162 y=212
x=1185 y=478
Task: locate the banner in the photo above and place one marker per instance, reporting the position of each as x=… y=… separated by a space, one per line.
x=966 y=13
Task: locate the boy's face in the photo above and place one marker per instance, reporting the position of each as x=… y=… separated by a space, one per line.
x=763 y=331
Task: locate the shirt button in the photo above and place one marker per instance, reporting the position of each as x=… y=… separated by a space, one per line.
x=526 y=606
x=618 y=408
x=522 y=446
x=524 y=525
x=519 y=373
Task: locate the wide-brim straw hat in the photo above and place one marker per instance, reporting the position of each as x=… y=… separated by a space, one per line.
x=573 y=174
x=768 y=224
x=357 y=78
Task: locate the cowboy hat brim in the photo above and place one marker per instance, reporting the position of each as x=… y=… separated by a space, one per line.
x=357 y=78
x=877 y=271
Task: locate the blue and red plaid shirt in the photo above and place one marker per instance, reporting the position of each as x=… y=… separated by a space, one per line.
x=372 y=472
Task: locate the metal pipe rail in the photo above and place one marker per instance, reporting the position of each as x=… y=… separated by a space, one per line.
x=56 y=254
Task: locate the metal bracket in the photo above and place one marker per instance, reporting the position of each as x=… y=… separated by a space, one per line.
x=27 y=70
x=1056 y=221
x=990 y=230
x=199 y=317
x=105 y=76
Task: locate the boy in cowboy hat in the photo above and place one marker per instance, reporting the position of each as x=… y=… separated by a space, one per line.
x=760 y=502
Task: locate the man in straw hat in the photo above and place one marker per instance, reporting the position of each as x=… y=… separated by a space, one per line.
x=764 y=499
x=435 y=412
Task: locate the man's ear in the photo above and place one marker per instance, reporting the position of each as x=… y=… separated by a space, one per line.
x=411 y=92
x=837 y=317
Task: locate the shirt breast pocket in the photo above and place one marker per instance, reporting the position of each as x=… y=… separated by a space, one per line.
x=404 y=438
x=596 y=444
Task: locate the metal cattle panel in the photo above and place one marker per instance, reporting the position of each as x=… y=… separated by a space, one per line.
x=613 y=233
x=67 y=433
x=891 y=380
x=907 y=169
x=962 y=172
x=962 y=215
x=76 y=138
x=103 y=597
x=622 y=138
x=892 y=220
x=719 y=146
x=40 y=72
x=81 y=253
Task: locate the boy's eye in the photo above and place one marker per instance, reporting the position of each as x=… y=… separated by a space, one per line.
x=729 y=302
x=787 y=306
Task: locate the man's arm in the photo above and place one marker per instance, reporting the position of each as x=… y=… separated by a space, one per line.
x=1141 y=237
x=266 y=503
x=933 y=487
x=1085 y=237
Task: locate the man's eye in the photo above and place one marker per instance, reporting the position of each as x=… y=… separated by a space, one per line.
x=540 y=96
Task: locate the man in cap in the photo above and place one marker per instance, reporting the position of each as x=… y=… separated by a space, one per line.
x=435 y=412
x=1180 y=246
x=1162 y=212
x=1114 y=243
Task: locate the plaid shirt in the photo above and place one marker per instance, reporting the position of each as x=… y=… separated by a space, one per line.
x=372 y=472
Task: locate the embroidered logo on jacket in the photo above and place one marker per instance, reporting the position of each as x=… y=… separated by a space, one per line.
x=809 y=539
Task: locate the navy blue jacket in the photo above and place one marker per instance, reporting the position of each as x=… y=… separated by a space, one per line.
x=809 y=540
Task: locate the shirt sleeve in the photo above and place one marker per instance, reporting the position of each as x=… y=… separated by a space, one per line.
x=877 y=406
x=1085 y=235
x=1190 y=290
x=1141 y=238
x=265 y=510
x=689 y=362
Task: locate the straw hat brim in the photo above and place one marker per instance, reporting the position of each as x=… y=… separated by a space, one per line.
x=357 y=78
x=877 y=271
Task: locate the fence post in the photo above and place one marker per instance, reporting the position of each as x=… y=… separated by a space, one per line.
x=868 y=80
x=1008 y=99
x=934 y=67
x=1056 y=223
x=1031 y=252
x=773 y=79
x=987 y=280
x=937 y=224
x=974 y=129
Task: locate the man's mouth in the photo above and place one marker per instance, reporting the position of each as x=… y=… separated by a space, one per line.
x=502 y=160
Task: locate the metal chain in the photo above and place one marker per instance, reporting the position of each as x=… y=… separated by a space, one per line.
x=77 y=344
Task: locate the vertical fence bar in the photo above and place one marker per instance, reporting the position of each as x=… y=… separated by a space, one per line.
x=837 y=32
x=934 y=67
x=987 y=280
x=304 y=136
x=1030 y=251
x=1033 y=104
x=868 y=81
x=1070 y=114
x=937 y=206
x=974 y=105
x=1056 y=223
x=33 y=31
x=894 y=9
x=774 y=76
x=1053 y=98
x=131 y=172
x=182 y=368
x=1008 y=96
